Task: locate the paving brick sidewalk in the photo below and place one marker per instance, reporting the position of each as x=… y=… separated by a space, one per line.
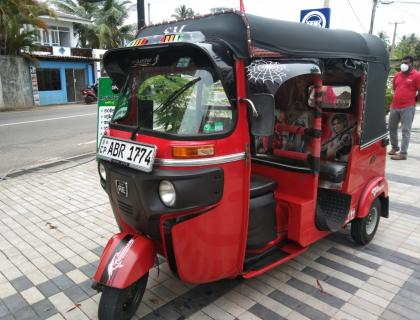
x=55 y=222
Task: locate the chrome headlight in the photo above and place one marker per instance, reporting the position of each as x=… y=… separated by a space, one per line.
x=167 y=193
x=102 y=171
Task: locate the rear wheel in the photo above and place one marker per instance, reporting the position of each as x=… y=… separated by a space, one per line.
x=89 y=99
x=363 y=229
x=121 y=304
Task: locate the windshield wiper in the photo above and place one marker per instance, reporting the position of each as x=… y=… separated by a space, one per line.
x=174 y=95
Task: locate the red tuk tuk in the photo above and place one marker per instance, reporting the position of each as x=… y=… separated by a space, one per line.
x=236 y=142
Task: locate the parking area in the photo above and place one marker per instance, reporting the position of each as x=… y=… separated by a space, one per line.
x=55 y=221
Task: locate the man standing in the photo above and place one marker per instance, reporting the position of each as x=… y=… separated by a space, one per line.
x=406 y=87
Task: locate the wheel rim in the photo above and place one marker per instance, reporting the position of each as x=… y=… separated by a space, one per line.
x=372 y=219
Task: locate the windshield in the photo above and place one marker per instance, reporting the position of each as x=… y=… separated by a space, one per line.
x=181 y=96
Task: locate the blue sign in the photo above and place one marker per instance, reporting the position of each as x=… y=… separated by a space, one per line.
x=316 y=17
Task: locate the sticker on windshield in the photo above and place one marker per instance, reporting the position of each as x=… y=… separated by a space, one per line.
x=210 y=127
x=183 y=62
x=218 y=126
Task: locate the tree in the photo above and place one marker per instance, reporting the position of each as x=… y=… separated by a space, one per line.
x=83 y=9
x=417 y=50
x=407 y=46
x=109 y=24
x=108 y=17
x=158 y=89
x=384 y=37
x=15 y=17
x=182 y=12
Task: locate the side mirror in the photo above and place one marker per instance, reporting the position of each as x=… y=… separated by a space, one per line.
x=262 y=123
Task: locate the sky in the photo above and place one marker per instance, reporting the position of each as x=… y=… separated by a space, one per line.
x=342 y=16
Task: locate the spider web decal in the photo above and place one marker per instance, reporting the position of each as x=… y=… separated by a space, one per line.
x=262 y=71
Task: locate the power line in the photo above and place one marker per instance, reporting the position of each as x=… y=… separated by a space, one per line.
x=407 y=2
x=354 y=13
x=408 y=13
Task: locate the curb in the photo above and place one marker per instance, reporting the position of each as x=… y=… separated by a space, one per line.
x=24 y=171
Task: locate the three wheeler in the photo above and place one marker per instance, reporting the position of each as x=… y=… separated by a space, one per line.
x=237 y=141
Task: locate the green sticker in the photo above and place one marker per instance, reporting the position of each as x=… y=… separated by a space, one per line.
x=218 y=126
x=209 y=127
x=213 y=127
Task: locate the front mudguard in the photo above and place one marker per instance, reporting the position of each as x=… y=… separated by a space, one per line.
x=125 y=259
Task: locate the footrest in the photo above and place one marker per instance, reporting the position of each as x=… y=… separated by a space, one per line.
x=271 y=258
x=332 y=209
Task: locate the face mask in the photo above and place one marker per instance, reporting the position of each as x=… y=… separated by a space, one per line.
x=404 y=67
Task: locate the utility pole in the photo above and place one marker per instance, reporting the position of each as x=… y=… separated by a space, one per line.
x=391 y=53
x=140 y=14
x=372 y=18
x=326 y=3
x=148 y=14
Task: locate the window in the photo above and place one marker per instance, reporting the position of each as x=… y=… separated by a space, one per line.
x=48 y=79
x=55 y=38
x=60 y=36
x=288 y=82
x=41 y=37
x=37 y=37
x=333 y=97
x=64 y=36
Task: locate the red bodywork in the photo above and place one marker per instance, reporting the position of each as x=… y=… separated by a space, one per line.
x=212 y=246
x=125 y=259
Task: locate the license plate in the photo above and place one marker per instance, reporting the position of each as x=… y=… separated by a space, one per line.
x=135 y=155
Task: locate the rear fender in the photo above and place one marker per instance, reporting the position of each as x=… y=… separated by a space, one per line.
x=125 y=259
x=377 y=187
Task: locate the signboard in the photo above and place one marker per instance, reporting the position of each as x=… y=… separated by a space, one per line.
x=61 y=51
x=34 y=80
x=106 y=106
x=316 y=17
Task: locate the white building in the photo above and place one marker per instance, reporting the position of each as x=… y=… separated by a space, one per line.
x=62 y=69
x=60 y=31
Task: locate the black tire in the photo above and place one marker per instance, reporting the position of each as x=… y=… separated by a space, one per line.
x=363 y=229
x=89 y=99
x=121 y=304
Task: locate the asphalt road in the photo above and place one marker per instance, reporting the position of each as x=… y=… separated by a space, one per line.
x=45 y=134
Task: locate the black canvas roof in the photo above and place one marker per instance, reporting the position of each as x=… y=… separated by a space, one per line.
x=286 y=37
x=244 y=32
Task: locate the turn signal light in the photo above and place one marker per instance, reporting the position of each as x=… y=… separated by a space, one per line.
x=193 y=151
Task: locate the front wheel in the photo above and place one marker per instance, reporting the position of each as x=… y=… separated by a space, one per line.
x=121 y=304
x=363 y=229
